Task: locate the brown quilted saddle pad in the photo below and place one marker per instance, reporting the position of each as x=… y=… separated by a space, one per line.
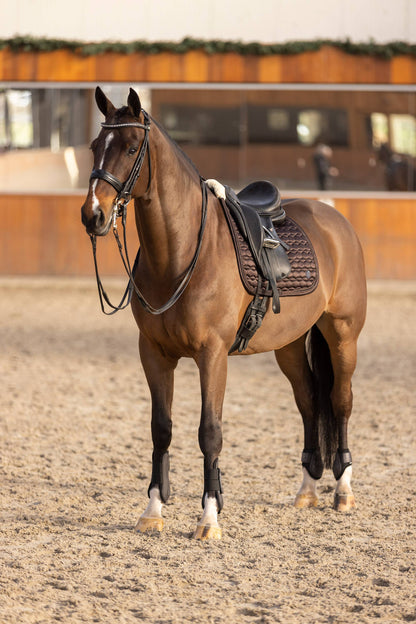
x=304 y=276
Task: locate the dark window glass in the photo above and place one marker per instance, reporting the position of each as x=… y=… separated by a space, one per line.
x=271 y=125
x=203 y=126
x=294 y=125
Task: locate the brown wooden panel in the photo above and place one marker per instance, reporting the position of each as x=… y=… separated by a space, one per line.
x=195 y=67
x=43 y=235
x=64 y=65
x=387 y=231
x=20 y=66
x=302 y=68
x=327 y=65
x=403 y=70
x=232 y=67
x=270 y=69
x=116 y=64
x=164 y=67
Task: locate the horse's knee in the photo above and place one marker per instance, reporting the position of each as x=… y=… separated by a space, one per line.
x=210 y=438
x=161 y=432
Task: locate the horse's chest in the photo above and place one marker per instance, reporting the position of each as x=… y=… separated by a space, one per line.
x=174 y=335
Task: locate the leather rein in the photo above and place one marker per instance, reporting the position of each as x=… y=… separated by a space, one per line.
x=124 y=191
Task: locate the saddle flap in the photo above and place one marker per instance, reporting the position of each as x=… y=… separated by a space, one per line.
x=258 y=229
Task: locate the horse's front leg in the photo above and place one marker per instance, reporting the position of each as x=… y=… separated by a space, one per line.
x=213 y=375
x=159 y=374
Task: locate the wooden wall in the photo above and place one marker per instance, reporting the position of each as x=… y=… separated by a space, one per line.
x=387 y=231
x=43 y=235
x=327 y=65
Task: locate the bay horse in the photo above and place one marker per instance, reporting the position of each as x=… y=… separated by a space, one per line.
x=189 y=302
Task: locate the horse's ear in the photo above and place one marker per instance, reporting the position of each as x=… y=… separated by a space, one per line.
x=103 y=102
x=134 y=103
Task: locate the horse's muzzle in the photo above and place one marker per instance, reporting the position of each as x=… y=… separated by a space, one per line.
x=96 y=224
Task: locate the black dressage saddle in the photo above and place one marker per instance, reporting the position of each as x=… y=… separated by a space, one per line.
x=256 y=210
x=263 y=197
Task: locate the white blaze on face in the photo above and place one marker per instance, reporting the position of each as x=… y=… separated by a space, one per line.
x=95 y=202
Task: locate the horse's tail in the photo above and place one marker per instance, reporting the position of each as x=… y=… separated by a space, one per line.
x=323 y=381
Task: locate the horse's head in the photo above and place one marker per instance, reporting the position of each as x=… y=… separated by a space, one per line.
x=119 y=152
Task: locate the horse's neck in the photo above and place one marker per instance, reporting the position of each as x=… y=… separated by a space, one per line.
x=169 y=216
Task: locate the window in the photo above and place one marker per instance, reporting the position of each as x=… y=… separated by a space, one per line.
x=16 y=127
x=271 y=124
x=379 y=129
x=312 y=125
x=298 y=126
x=403 y=134
x=398 y=130
x=233 y=134
x=202 y=125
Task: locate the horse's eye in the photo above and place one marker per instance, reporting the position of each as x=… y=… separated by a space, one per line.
x=132 y=151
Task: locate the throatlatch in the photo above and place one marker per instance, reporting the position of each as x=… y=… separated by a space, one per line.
x=212 y=483
x=160 y=475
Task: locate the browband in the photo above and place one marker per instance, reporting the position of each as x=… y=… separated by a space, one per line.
x=134 y=124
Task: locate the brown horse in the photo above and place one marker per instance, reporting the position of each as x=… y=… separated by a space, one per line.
x=191 y=301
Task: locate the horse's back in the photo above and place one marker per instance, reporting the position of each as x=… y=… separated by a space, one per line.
x=331 y=234
x=312 y=213
x=338 y=251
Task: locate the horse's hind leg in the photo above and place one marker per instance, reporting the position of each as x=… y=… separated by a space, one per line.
x=293 y=362
x=159 y=373
x=341 y=337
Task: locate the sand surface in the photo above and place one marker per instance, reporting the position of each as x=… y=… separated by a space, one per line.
x=75 y=461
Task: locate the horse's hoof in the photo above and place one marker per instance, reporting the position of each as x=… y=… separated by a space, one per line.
x=302 y=501
x=208 y=531
x=344 y=502
x=145 y=525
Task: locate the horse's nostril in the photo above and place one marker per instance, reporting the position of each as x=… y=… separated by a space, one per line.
x=99 y=218
x=83 y=217
x=93 y=223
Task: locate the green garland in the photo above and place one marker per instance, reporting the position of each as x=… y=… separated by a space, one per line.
x=34 y=44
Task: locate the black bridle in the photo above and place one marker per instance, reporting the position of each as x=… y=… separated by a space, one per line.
x=124 y=191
